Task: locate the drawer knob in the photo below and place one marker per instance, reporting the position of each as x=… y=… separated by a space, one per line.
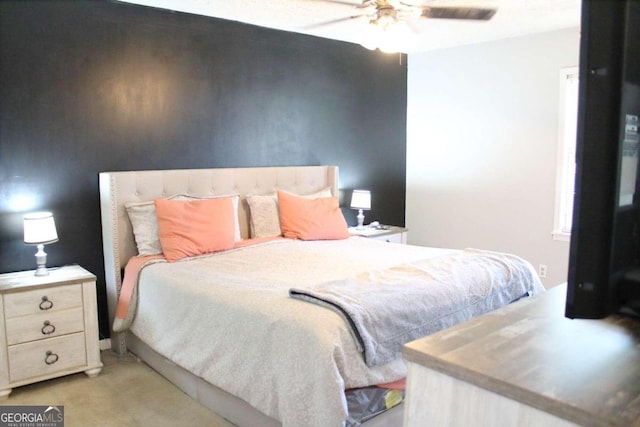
x=48 y=328
x=50 y=357
x=45 y=304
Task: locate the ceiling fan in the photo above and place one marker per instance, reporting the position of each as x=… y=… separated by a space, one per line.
x=388 y=17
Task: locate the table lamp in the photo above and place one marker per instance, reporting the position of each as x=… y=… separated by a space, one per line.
x=361 y=200
x=40 y=230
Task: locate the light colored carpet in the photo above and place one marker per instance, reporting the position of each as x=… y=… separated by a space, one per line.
x=127 y=393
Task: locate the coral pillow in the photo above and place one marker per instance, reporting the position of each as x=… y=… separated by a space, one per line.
x=194 y=227
x=311 y=219
x=144 y=221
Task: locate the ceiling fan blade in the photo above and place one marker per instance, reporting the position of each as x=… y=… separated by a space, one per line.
x=472 y=13
x=355 y=3
x=330 y=22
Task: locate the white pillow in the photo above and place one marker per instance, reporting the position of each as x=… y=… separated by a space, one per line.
x=264 y=216
x=145 y=223
x=264 y=219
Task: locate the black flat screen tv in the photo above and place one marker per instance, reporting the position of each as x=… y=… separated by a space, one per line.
x=604 y=259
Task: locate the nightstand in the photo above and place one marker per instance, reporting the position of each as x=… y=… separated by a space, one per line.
x=48 y=326
x=392 y=234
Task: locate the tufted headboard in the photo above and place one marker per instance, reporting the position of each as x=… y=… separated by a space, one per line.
x=119 y=188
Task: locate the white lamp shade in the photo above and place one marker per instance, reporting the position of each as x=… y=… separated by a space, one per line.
x=39 y=228
x=361 y=199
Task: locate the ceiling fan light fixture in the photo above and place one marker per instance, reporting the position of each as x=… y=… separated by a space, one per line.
x=384 y=22
x=389 y=21
x=392 y=38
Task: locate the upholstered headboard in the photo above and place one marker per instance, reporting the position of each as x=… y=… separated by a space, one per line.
x=120 y=188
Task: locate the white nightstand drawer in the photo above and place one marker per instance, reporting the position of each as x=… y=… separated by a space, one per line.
x=44 y=325
x=45 y=357
x=42 y=300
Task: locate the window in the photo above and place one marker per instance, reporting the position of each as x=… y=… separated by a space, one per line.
x=566 y=173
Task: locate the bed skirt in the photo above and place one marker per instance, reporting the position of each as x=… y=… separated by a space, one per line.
x=228 y=406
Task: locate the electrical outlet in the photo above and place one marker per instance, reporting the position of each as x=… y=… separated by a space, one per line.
x=542 y=270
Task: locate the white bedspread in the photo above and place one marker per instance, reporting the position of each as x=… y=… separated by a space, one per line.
x=228 y=318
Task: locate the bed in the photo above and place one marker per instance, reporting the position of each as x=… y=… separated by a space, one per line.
x=248 y=350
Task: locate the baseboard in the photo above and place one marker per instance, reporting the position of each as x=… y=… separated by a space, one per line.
x=105 y=344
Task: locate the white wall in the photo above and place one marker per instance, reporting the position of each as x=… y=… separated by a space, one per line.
x=482 y=127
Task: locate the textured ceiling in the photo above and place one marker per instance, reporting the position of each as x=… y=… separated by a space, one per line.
x=514 y=18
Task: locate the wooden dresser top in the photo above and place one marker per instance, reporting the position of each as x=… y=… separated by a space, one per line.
x=585 y=371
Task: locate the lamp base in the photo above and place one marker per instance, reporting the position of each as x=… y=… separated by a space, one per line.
x=41 y=271
x=360 y=217
x=41 y=262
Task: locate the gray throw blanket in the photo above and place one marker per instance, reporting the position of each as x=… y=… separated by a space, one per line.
x=386 y=309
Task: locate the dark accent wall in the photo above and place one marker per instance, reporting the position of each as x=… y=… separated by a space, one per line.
x=96 y=86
